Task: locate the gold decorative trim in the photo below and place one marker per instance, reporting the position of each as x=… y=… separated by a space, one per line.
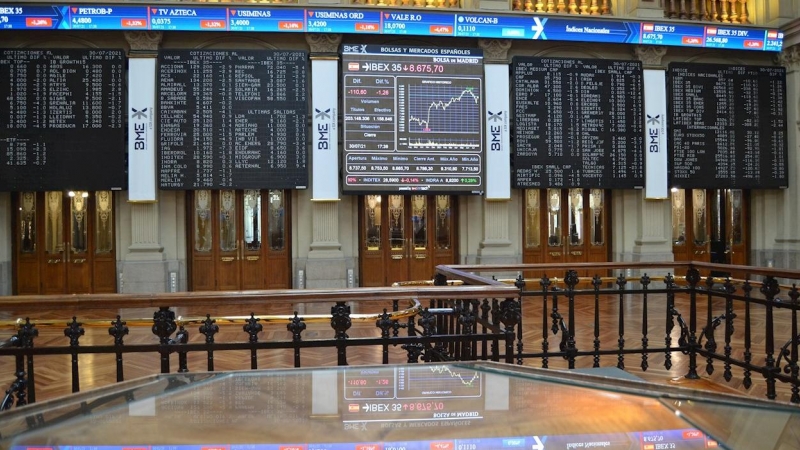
x=143 y=202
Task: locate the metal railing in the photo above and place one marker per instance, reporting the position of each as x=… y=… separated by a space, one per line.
x=452 y=324
x=748 y=325
x=689 y=324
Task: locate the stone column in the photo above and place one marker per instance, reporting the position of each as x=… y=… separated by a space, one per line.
x=643 y=9
x=643 y=227
x=144 y=268
x=782 y=208
x=6 y=235
x=326 y=266
x=496 y=245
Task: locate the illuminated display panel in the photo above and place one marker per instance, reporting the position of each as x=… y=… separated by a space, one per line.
x=232 y=119
x=727 y=126
x=353 y=21
x=413 y=119
x=62 y=124
x=578 y=123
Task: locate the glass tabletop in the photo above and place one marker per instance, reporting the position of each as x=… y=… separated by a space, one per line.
x=460 y=406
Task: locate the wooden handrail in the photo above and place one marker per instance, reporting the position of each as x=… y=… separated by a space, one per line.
x=458 y=271
x=85 y=302
x=413 y=309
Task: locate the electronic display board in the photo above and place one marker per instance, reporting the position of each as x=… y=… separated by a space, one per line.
x=233 y=119
x=62 y=126
x=578 y=123
x=727 y=126
x=380 y=21
x=413 y=119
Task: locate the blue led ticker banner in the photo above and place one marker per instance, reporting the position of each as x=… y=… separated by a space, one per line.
x=375 y=21
x=684 y=439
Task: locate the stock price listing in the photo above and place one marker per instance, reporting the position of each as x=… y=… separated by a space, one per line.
x=728 y=126
x=62 y=123
x=232 y=119
x=579 y=123
x=413 y=119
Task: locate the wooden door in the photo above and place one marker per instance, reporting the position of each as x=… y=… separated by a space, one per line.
x=737 y=231
x=691 y=240
x=564 y=226
x=64 y=243
x=728 y=243
x=239 y=240
x=404 y=237
x=710 y=226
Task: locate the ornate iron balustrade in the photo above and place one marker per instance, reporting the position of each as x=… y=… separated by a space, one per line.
x=758 y=317
x=687 y=324
x=454 y=326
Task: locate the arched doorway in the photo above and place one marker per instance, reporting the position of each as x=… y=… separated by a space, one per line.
x=402 y=238
x=64 y=242
x=565 y=226
x=239 y=239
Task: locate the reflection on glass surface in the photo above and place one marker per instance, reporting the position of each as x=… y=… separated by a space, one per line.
x=277 y=220
x=737 y=218
x=746 y=426
x=699 y=225
x=202 y=220
x=532 y=234
x=467 y=406
x=53 y=227
x=596 y=202
x=252 y=220
x=553 y=217
x=717 y=217
x=576 y=217
x=104 y=222
x=27 y=222
x=678 y=216
x=443 y=222
x=396 y=222
x=419 y=206
x=78 y=222
x=227 y=221
x=372 y=222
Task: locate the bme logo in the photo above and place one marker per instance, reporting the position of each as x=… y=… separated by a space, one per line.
x=139 y=119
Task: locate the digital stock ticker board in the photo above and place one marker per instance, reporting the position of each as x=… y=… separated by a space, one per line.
x=413 y=119
x=62 y=120
x=233 y=119
x=578 y=123
x=728 y=126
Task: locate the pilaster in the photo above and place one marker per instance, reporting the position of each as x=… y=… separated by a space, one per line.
x=6 y=235
x=784 y=210
x=496 y=246
x=649 y=238
x=650 y=55
x=645 y=9
x=326 y=266
x=144 y=268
